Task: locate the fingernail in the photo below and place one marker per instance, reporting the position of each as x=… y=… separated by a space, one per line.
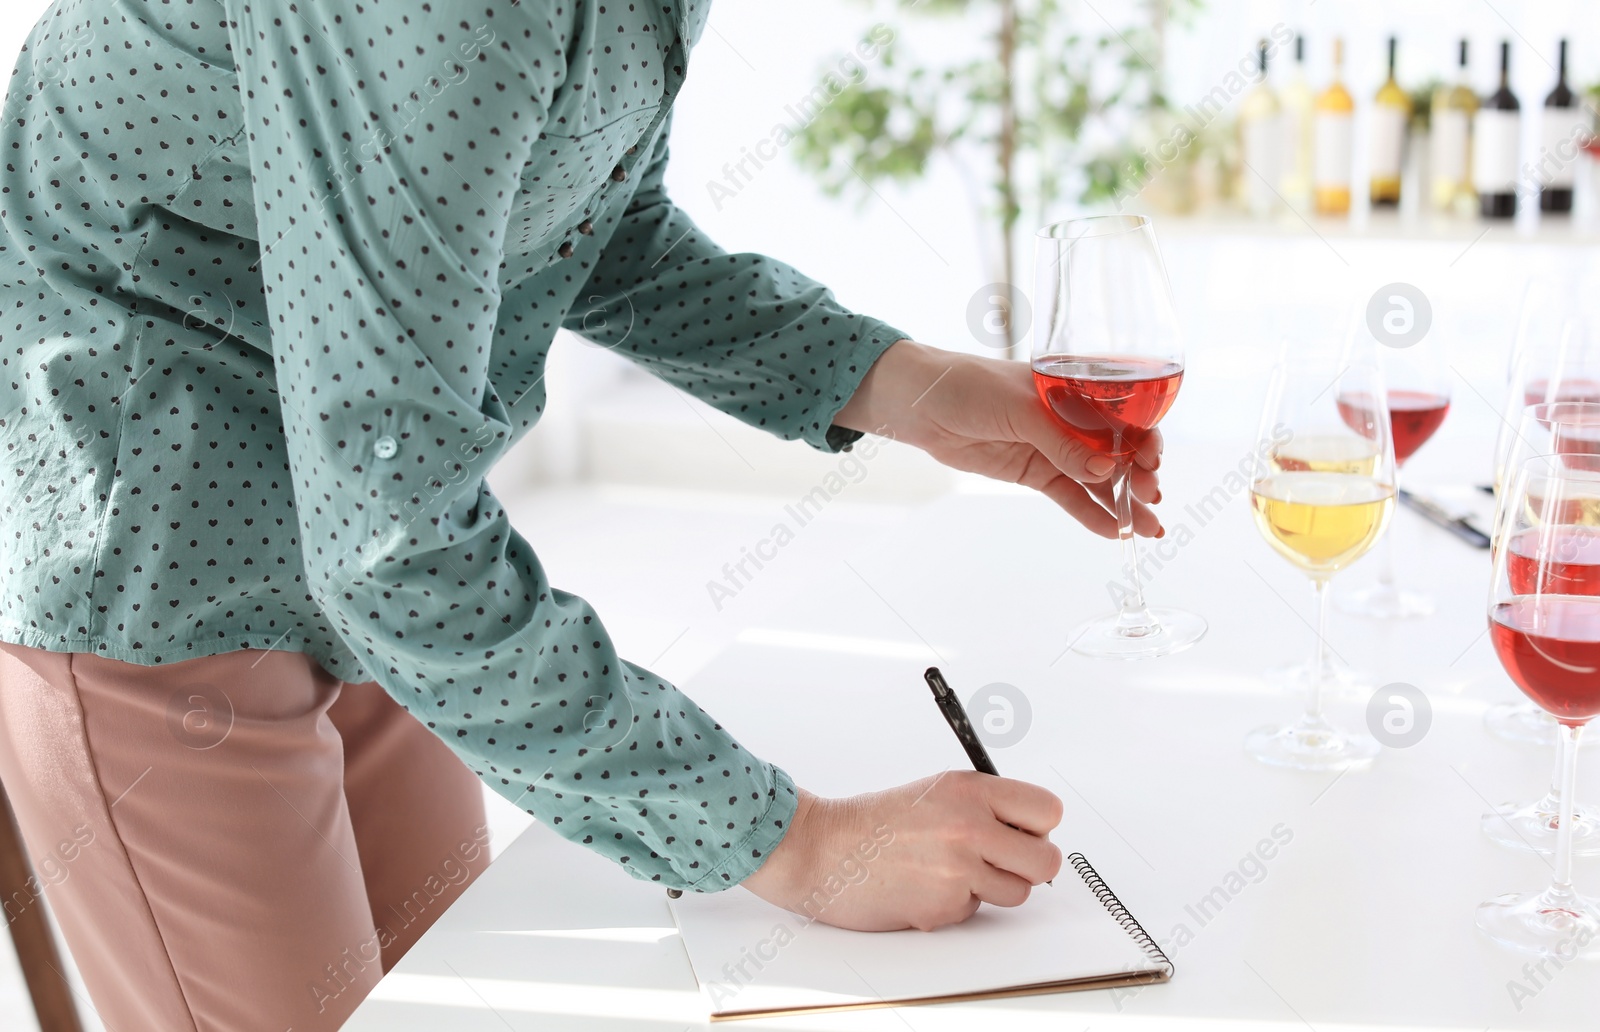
x=1100 y=465
x=1157 y=497
x=1162 y=532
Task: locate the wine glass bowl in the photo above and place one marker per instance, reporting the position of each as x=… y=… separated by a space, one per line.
x=1545 y=428
x=1107 y=363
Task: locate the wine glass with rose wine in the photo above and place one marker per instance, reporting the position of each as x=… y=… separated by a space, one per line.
x=1559 y=368
x=1419 y=399
x=1546 y=633
x=1560 y=429
x=1322 y=501
x=1108 y=362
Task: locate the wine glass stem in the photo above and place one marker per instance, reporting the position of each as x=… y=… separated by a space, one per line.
x=1386 y=571
x=1319 y=656
x=1561 y=767
x=1561 y=887
x=1135 y=618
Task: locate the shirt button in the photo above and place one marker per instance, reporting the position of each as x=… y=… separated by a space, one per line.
x=385 y=447
x=586 y=228
x=618 y=174
x=565 y=250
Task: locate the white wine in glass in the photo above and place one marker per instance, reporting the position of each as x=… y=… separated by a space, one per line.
x=1323 y=499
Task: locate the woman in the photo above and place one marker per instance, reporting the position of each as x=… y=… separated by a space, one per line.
x=281 y=279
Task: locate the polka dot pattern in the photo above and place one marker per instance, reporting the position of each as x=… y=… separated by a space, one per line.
x=277 y=284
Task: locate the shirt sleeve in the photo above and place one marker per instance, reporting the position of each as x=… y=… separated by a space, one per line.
x=380 y=264
x=743 y=332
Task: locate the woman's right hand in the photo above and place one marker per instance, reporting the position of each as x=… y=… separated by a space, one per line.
x=919 y=856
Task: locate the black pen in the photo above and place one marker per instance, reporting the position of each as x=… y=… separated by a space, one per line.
x=956 y=716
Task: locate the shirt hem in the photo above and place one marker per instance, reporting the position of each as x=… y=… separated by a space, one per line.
x=50 y=641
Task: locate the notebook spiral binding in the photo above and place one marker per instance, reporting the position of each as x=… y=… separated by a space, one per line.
x=1109 y=900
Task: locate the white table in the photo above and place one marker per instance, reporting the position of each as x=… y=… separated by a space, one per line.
x=1363 y=920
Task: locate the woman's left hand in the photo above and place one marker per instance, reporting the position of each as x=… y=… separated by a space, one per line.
x=982 y=415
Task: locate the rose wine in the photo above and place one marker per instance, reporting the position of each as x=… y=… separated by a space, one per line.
x=1321 y=522
x=1550 y=645
x=1556 y=559
x=1571 y=389
x=1109 y=403
x=1578 y=437
x=1414 y=416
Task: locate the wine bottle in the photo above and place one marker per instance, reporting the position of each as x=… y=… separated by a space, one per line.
x=1331 y=138
x=1260 y=141
x=1453 y=110
x=1391 y=111
x=1563 y=131
x=1295 y=100
x=1495 y=131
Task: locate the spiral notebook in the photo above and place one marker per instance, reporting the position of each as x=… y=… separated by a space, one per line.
x=756 y=960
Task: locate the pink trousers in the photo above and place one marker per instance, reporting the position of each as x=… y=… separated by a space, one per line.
x=230 y=843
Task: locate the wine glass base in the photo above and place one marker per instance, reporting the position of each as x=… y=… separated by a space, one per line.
x=1385 y=602
x=1532 y=828
x=1536 y=923
x=1303 y=748
x=1173 y=631
x=1522 y=722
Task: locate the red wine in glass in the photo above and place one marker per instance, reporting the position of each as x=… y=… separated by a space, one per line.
x=1414 y=416
x=1570 y=563
x=1110 y=403
x=1550 y=645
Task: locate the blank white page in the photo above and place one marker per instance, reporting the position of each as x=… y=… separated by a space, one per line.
x=751 y=956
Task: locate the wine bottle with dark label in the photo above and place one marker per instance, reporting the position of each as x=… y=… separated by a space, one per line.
x=1495 y=132
x=1562 y=136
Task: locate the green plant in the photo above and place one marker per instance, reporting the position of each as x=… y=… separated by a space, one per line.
x=1422 y=104
x=1052 y=99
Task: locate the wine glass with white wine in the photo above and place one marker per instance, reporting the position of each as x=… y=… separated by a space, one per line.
x=1322 y=501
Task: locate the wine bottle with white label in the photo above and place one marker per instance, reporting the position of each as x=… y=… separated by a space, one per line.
x=1330 y=143
x=1391 y=110
x=1563 y=131
x=1495 y=132
x=1295 y=99
x=1261 y=141
x=1451 y=142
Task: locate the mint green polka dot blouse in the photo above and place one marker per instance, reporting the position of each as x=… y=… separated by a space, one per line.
x=277 y=284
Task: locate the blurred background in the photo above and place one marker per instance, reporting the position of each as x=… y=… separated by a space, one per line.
x=904 y=153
